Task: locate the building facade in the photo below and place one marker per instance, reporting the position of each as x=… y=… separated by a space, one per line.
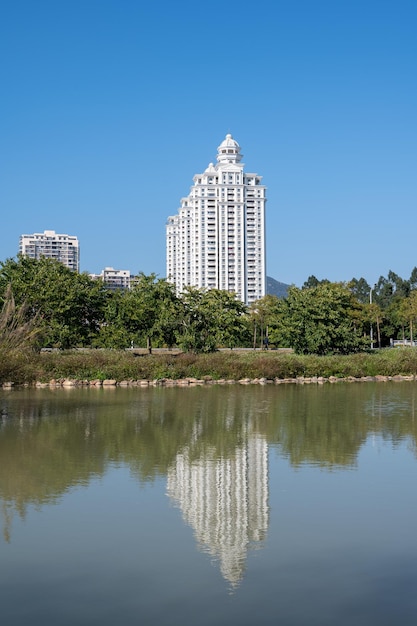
x=114 y=279
x=49 y=244
x=217 y=239
x=225 y=501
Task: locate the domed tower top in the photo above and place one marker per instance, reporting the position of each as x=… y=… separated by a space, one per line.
x=229 y=151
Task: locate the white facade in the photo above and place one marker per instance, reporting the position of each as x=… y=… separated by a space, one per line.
x=113 y=279
x=225 y=501
x=49 y=244
x=217 y=239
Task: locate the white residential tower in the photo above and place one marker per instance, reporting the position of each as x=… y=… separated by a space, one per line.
x=49 y=244
x=113 y=279
x=217 y=239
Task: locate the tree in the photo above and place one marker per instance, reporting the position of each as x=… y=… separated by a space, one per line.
x=148 y=313
x=264 y=315
x=408 y=311
x=230 y=326
x=115 y=331
x=68 y=306
x=401 y=286
x=323 y=319
x=360 y=289
x=312 y=281
x=374 y=316
x=391 y=288
x=157 y=309
x=197 y=324
x=413 y=279
x=211 y=318
x=383 y=292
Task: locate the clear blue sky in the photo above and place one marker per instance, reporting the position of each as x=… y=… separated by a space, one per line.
x=109 y=107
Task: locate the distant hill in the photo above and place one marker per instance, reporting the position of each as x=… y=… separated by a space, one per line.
x=275 y=288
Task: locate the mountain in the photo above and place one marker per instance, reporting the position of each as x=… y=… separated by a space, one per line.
x=275 y=288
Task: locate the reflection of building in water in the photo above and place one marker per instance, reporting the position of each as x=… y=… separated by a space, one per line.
x=225 y=500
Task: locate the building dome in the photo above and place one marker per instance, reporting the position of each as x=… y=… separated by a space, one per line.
x=229 y=142
x=229 y=150
x=211 y=169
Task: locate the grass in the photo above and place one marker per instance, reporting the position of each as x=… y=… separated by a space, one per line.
x=21 y=366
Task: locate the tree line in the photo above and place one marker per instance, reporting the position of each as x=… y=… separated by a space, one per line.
x=69 y=310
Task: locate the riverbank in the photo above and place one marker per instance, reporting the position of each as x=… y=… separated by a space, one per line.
x=192 y=382
x=112 y=368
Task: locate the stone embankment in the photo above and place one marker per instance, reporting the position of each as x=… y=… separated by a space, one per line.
x=208 y=380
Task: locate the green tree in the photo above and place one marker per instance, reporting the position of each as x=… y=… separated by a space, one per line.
x=391 y=288
x=229 y=314
x=115 y=331
x=360 y=289
x=147 y=314
x=401 y=286
x=322 y=320
x=413 y=279
x=312 y=281
x=197 y=324
x=408 y=311
x=211 y=318
x=265 y=320
x=374 y=315
x=68 y=306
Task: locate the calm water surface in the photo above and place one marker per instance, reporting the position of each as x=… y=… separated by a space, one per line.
x=209 y=506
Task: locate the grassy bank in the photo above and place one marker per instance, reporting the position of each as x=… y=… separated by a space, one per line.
x=19 y=367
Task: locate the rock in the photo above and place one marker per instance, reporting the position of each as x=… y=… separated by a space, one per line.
x=69 y=382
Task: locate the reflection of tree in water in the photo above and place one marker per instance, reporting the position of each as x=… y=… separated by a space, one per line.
x=7 y=514
x=327 y=425
x=55 y=440
x=319 y=425
x=51 y=441
x=392 y=413
x=45 y=449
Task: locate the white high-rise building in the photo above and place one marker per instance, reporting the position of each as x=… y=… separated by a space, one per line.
x=49 y=244
x=217 y=239
x=113 y=279
x=225 y=500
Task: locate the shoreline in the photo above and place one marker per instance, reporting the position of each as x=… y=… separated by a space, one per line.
x=206 y=381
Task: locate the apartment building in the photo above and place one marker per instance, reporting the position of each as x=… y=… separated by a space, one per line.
x=49 y=244
x=114 y=279
x=217 y=238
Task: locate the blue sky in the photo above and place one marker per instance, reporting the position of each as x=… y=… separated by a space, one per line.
x=109 y=107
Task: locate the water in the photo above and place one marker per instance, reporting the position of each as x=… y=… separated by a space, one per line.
x=218 y=505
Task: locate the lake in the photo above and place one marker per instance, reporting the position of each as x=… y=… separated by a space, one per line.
x=218 y=505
